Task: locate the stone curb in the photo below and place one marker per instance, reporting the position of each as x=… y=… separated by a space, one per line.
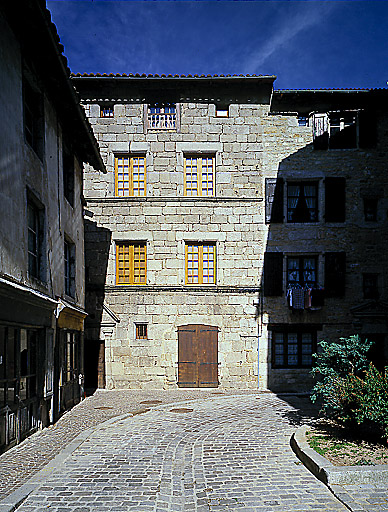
x=335 y=475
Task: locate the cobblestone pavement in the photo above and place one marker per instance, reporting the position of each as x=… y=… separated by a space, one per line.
x=219 y=454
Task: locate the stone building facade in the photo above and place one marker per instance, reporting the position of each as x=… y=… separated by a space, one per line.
x=236 y=227
x=44 y=140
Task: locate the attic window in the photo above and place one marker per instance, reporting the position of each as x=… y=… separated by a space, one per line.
x=336 y=130
x=106 y=111
x=222 y=110
x=302 y=121
x=161 y=116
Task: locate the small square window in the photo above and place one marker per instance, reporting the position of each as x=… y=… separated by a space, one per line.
x=302 y=121
x=370 y=209
x=141 y=331
x=106 y=111
x=222 y=110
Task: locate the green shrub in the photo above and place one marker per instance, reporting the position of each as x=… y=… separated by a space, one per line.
x=352 y=390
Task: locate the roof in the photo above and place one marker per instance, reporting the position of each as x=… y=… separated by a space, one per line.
x=41 y=48
x=169 y=76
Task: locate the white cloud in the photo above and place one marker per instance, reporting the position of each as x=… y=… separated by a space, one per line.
x=306 y=16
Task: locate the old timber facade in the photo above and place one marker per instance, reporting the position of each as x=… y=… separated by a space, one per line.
x=235 y=228
x=44 y=140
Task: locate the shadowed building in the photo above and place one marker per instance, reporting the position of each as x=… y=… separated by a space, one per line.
x=44 y=140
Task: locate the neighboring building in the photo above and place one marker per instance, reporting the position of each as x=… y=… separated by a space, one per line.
x=235 y=228
x=44 y=140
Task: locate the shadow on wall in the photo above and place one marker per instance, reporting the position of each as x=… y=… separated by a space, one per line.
x=315 y=256
x=97 y=244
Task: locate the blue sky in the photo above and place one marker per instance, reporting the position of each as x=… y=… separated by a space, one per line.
x=307 y=44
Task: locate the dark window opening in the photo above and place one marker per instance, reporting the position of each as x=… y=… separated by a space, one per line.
x=69 y=268
x=302 y=202
x=141 y=332
x=302 y=121
x=35 y=237
x=28 y=364
x=301 y=271
x=70 y=369
x=33 y=118
x=68 y=174
x=370 y=286
x=106 y=111
x=222 y=110
x=339 y=130
x=293 y=347
x=370 y=209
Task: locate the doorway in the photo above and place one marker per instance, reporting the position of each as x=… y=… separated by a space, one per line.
x=197 y=356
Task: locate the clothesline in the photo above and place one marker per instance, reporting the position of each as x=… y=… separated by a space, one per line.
x=305 y=297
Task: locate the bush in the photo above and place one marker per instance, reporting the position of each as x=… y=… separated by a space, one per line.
x=352 y=390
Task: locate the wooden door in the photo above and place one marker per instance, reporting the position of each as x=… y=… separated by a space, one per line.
x=197 y=356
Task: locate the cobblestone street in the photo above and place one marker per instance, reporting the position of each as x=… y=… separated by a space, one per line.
x=217 y=453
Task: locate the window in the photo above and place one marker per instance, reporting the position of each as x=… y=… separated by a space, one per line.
x=336 y=130
x=302 y=120
x=130 y=174
x=200 y=263
x=131 y=263
x=302 y=204
x=106 y=111
x=370 y=286
x=162 y=116
x=35 y=223
x=301 y=270
x=28 y=363
x=69 y=268
x=199 y=176
x=70 y=369
x=293 y=346
x=68 y=173
x=141 y=331
x=33 y=118
x=370 y=209
x=222 y=110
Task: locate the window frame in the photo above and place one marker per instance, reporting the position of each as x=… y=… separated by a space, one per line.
x=130 y=182
x=222 y=107
x=107 y=111
x=33 y=116
x=69 y=270
x=39 y=238
x=300 y=269
x=371 y=204
x=141 y=326
x=286 y=331
x=200 y=182
x=302 y=184
x=370 y=291
x=200 y=269
x=163 y=120
x=129 y=270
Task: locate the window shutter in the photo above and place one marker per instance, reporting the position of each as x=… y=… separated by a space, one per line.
x=273 y=274
x=367 y=129
x=273 y=200
x=335 y=199
x=321 y=131
x=335 y=272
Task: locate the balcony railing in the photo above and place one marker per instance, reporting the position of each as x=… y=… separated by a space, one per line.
x=162 y=121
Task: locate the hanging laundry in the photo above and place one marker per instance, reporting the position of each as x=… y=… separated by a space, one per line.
x=298 y=298
x=307 y=298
